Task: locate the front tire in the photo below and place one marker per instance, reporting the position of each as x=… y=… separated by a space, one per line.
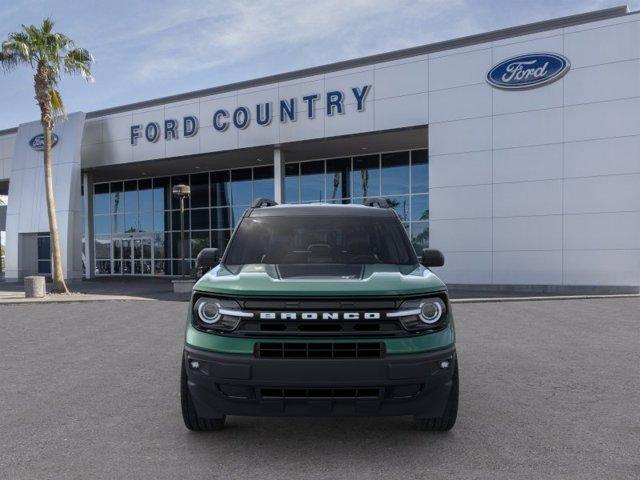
x=191 y=419
x=448 y=418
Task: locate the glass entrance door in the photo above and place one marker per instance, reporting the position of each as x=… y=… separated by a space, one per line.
x=132 y=255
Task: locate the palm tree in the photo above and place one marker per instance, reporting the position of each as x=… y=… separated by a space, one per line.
x=49 y=54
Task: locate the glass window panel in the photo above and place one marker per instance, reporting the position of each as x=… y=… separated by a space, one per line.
x=145 y=195
x=200 y=190
x=44 y=267
x=126 y=267
x=160 y=242
x=117 y=248
x=175 y=245
x=116 y=197
x=395 y=173
x=312 y=181
x=103 y=267
x=241 y=192
x=131 y=222
x=126 y=248
x=220 y=190
x=117 y=223
x=420 y=171
x=101 y=198
x=146 y=267
x=161 y=194
x=338 y=180
x=199 y=240
x=175 y=220
x=145 y=222
x=161 y=267
x=102 y=224
x=220 y=218
x=177 y=267
x=44 y=247
x=400 y=205
x=117 y=268
x=420 y=236
x=103 y=247
x=161 y=221
x=200 y=219
x=366 y=176
x=220 y=239
x=263 y=182
x=292 y=182
x=178 y=180
x=419 y=207
x=137 y=268
x=131 y=196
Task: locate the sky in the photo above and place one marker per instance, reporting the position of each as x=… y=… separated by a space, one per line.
x=148 y=49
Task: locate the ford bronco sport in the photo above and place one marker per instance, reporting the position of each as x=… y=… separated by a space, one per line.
x=319 y=309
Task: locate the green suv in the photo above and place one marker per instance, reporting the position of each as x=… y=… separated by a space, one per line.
x=319 y=310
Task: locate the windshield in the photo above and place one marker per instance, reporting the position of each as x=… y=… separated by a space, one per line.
x=317 y=240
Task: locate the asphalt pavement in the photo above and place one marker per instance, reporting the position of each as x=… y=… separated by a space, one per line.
x=549 y=389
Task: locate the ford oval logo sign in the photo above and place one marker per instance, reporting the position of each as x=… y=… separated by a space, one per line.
x=37 y=142
x=528 y=71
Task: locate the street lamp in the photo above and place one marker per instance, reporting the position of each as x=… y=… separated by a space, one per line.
x=182 y=192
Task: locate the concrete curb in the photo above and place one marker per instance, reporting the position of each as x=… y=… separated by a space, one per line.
x=541 y=299
x=73 y=298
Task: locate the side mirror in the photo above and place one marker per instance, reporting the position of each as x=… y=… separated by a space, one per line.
x=432 y=257
x=206 y=260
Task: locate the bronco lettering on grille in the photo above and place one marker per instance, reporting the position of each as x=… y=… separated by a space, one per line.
x=319 y=316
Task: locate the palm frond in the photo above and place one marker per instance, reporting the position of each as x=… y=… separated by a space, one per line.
x=56 y=102
x=78 y=61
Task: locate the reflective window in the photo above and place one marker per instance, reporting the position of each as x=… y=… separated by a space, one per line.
x=263 y=182
x=420 y=207
x=102 y=224
x=220 y=189
x=292 y=182
x=200 y=190
x=395 y=173
x=420 y=235
x=312 y=181
x=101 y=198
x=131 y=196
x=338 y=179
x=117 y=200
x=199 y=240
x=401 y=205
x=200 y=219
x=220 y=218
x=161 y=194
x=419 y=171
x=366 y=176
x=241 y=191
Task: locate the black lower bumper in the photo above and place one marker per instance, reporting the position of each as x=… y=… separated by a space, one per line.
x=225 y=384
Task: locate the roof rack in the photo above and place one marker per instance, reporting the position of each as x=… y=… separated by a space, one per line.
x=263 y=202
x=375 y=202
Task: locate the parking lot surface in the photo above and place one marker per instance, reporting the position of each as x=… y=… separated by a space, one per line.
x=549 y=389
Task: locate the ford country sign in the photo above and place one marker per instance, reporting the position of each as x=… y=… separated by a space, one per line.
x=528 y=71
x=37 y=142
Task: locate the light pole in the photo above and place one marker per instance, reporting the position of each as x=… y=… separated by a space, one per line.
x=182 y=192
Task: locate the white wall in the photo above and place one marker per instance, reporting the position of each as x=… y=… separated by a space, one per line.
x=6 y=154
x=539 y=186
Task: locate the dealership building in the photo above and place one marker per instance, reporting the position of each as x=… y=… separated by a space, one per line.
x=516 y=152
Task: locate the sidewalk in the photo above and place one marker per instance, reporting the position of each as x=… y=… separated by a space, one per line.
x=102 y=289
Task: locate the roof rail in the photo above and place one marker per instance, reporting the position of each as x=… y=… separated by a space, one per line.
x=375 y=202
x=263 y=202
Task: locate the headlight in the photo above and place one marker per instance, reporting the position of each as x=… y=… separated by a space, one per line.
x=208 y=310
x=421 y=314
x=431 y=311
x=217 y=314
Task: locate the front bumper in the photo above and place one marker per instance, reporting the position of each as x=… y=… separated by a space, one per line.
x=228 y=384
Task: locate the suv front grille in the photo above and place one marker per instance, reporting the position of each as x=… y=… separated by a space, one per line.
x=319 y=350
x=330 y=393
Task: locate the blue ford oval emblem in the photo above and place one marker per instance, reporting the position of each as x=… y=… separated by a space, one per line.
x=37 y=142
x=528 y=71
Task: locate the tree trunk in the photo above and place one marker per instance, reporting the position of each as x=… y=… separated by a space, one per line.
x=46 y=118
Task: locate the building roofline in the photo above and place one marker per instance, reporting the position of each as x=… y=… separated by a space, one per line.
x=529 y=28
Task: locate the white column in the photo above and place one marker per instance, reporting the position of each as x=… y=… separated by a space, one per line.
x=278 y=175
x=87 y=203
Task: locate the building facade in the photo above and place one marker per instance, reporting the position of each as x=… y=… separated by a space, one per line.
x=515 y=152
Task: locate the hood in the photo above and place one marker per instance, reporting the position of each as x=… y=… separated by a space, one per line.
x=372 y=280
